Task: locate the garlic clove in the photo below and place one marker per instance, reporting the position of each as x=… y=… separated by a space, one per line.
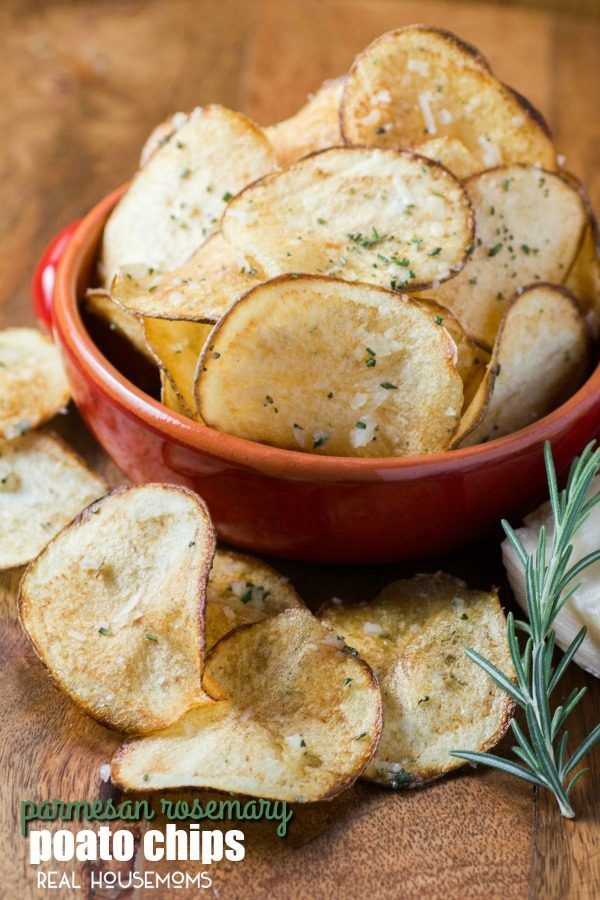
x=584 y=607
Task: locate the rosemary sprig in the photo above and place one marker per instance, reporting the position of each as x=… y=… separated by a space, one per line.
x=542 y=752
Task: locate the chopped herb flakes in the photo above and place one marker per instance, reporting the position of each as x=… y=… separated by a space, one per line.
x=361 y=424
x=398 y=779
x=254 y=592
x=439 y=320
x=495 y=250
x=105 y=631
x=388 y=386
x=151 y=637
x=367 y=242
x=227 y=196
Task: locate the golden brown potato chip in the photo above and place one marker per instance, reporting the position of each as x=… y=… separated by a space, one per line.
x=451 y=153
x=301 y=720
x=176 y=346
x=43 y=484
x=241 y=590
x=175 y=201
x=202 y=289
x=471 y=358
x=114 y=605
x=414 y=635
x=420 y=82
x=325 y=366
x=379 y=216
x=33 y=384
x=584 y=278
x=529 y=227
x=99 y=303
x=170 y=398
x=314 y=127
x=540 y=358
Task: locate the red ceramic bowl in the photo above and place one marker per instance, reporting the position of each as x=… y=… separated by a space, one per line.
x=281 y=502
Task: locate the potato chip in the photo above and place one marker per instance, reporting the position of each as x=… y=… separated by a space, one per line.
x=160 y=135
x=202 y=289
x=241 y=590
x=314 y=127
x=471 y=358
x=170 y=398
x=301 y=720
x=540 y=358
x=435 y=699
x=175 y=202
x=380 y=216
x=33 y=384
x=43 y=485
x=114 y=605
x=420 y=81
x=325 y=366
x=176 y=346
x=99 y=303
x=451 y=153
x=529 y=227
x=584 y=277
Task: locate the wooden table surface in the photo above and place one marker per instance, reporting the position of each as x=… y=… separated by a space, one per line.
x=81 y=84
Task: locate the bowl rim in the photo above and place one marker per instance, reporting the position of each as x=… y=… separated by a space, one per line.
x=69 y=325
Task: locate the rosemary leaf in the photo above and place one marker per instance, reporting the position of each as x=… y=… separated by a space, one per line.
x=549 y=584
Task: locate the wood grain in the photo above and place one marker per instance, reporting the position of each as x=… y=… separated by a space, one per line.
x=82 y=83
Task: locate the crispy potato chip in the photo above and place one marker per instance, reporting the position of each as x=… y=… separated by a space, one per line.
x=114 y=605
x=314 y=127
x=99 y=303
x=160 y=135
x=379 y=216
x=419 y=80
x=471 y=358
x=451 y=153
x=301 y=720
x=43 y=484
x=414 y=635
x=241 y=590
x=202 y=289
x=474 y=412
x=584 y=278
x=320 y=365
x=540 y=358
x=176 y=346
x=170 y=398
x=176 y=200
x=529 y=227
x=33 y=384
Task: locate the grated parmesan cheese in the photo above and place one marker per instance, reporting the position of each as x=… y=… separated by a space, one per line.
x=418 y=65
x=76 y=635
x=491 y=153
x=294 y=741
x=372 y=628
x=424 y=99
